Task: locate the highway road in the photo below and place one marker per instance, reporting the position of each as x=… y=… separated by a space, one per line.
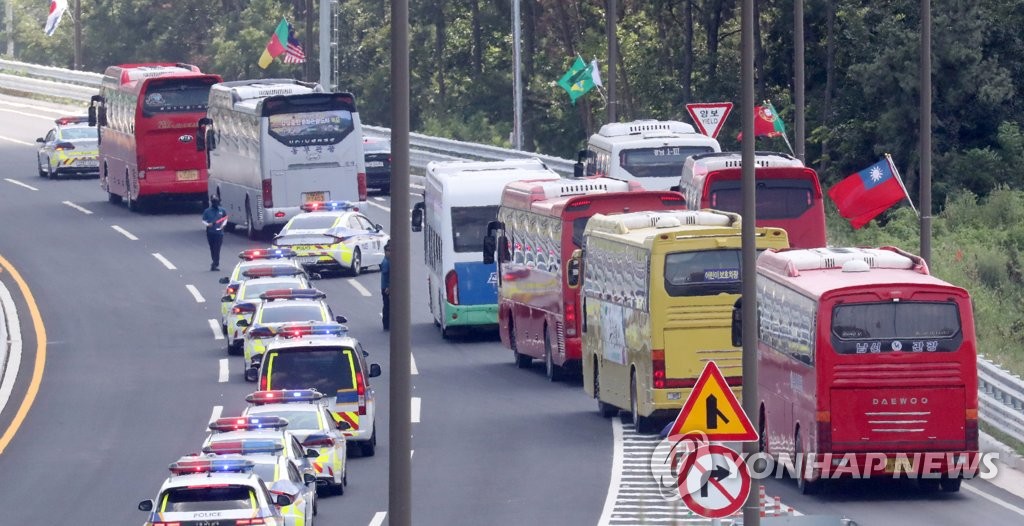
x=124 y=372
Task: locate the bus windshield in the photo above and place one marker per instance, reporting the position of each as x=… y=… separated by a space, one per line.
x=469 y=225
x=911 y=326
x=176 y=96
x=776 y=199
x=664 y=161
x=311 y=128
x=702 y=273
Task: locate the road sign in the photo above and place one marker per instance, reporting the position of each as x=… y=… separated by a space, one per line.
x=714 y=482
x=713 y=409
x=709 y=116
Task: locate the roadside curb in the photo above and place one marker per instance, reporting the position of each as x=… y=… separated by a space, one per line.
x=10 y=344
x=1007 y=456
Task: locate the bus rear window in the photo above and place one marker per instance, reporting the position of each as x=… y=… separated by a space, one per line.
x=469 y=225
x=664 y=161
x=887 y=327
x=177 y=96
x=312 y=128
x=208 y=498
x=327 y=370
x=702 y=273
x=776 y=199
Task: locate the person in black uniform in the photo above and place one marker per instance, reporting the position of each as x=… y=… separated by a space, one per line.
x=214 y=218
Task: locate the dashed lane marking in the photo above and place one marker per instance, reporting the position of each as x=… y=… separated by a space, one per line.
x=415 y=410
x=218 y=334
x=215 y=414
x=166 y=262
x=124 y=233
x=378 y=518
x=359 y=287
x=80 y=208
x=21 y=184
x=195 y=293
x=382 y=207
x=16 y=141
x=222 y=375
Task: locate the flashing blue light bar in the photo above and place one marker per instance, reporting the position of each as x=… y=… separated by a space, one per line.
x=77 y=119
x=292 y=294
x=282 y=396
x=196 y=464
x=329 y=206
x=266 y=253
x=244 y=447
x=273 y=272
x=259 y=332
x=248 y=423
x=298 y=330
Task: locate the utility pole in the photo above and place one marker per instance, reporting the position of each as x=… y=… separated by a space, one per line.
x=926 y=130
x=798 y=80
x=308 y=66
x=9 y=26
x=517 y=79
x=611 y=21
x=325 y=44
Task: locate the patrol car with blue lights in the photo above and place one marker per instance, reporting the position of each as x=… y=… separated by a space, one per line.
x=279 y=307
x=70 y=148
x=271 y=262
x=248 y=298
x=334 y=235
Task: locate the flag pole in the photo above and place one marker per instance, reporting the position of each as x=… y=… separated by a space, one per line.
x=899 y=179
x=784 y=138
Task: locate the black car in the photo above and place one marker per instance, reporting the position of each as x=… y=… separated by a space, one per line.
x=377 y=153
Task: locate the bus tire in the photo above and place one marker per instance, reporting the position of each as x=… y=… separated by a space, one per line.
x=113 y=198
x=522 y=361
x=552 y=371
x=357 y=263
x=250 y=228
x=949 y=485
x=607 y=410
x=806 y=487
x=641 y=423
x=133 y=204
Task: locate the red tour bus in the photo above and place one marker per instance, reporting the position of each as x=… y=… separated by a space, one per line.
x=147 y=115
x=788 y=193
x=867 y=367
x=543 y=221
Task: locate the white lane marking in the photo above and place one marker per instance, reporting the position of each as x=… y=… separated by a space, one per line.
x=992 y=499
x=54 y=111
x=16 y=141
x=359 y=287
x=416 y=186
x=80 y=208
x=215 y=327
x=411 y=451
x=371 y=203
x=415 y=409
x=379 y=199
x=616 y=478
x=10 y=337
x=412 y=364
x=21 y=184
x=215 y=414
x=222 y=375
x=167 y=263
x=378 y=518
x=195 y=293
x=124 y=232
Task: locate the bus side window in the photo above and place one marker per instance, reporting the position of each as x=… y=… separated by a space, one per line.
x=737 y=323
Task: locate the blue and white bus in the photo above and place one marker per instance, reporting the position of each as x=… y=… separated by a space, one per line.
x=459 y=200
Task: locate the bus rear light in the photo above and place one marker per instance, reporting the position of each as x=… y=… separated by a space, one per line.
x=658 y=368
x=268 y=193
x=824 y=421
x=361 y=178
x=278 y=214
x=570 y=319
x=451 y=285
x=579 y=204
x=671 y=199
x=971 y=430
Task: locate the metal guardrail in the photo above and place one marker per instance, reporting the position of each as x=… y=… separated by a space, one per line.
x=1000 y=394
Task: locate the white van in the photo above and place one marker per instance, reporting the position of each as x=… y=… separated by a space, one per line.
x=648 y=151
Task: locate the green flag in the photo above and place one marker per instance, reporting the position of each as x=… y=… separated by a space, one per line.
x=578 y=80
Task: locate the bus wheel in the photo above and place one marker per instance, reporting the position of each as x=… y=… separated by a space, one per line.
x=250 y=228
x=522 y=361
x=642 y=424
x=357 y=263
x=949 y=485
x=606 y=410
x=133 y=204
x=806 y=487
x=553 y=372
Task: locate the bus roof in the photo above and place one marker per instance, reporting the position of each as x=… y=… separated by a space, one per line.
x=259 y=89
x=641 y=228
x=646 y=129
x=723 y=160
x=546 y=193
x=818 y=271
x=444 y=169
x=129 y=73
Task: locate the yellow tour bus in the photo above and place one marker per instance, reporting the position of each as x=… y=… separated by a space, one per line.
x=658 y=295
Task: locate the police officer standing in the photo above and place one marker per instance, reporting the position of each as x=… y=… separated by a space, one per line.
x=214 y=218
x=385 y=286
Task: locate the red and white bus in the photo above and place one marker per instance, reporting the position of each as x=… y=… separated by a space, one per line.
x=543 y=221
x=867 y=367
x=788 y=193
x=147 y=115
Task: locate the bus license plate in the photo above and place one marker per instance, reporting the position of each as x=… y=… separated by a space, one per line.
x=375 y=164
x=318 y=197
x=187 y=175
x=904 y=464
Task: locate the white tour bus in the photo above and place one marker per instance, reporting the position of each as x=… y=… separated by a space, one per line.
x=649 y=152
x=274 y=144
x=459 y=200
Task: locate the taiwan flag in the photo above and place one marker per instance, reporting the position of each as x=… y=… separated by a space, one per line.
x=867 y=193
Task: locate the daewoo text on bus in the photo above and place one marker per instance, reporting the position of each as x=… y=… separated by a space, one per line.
x=459 y=200
x=788 y=193
x=274 y=145
x=658 y=294
x=647 y=151
x=146 y=116
x=867 y=367
x=542 y=222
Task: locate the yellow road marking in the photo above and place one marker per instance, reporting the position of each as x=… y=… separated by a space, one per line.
x=37 y=370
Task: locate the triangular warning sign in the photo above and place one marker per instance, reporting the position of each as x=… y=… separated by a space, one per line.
x=709 y=116
x=713 y=409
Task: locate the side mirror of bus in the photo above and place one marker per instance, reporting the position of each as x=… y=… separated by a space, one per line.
x=504 y=255
x=737 y=323
x=574 y=270
x=92 y=115
x=211 y=140
x=673 y=188
x=101 y=116
x=490 y=245
x=417 y=217
x=577 y=169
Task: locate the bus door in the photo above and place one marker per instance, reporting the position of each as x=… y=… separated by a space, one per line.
x=895 y=377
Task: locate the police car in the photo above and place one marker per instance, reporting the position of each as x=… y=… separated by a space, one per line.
x=322 y=356
x=333 y=235
x=69 y=148
x=282 y=476
x=313 y=425
x=214 y=490
x=248 y=298
x=230 y=433
x=272 y=258
x=277 y=308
